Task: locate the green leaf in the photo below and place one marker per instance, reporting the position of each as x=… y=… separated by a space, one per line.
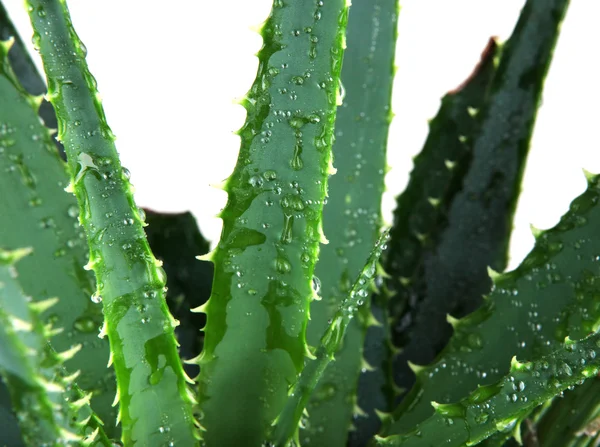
x=9 y=426
x=26 y=72
x=421 y=214
x=37 y=213
x=499 y=406
x=482 y=216
x=264 y=263
x=351 y=217
x=51 y=409
x=571 y=417
x=155 y=401
x=551 y=295
x=286 y=425
x=176 y=241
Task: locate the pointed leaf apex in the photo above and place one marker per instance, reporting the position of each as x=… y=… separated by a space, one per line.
x=12 y=256
x=359 y=412
x=434 y=202
x=493 y=274
x=103 y=330
x=516 y=432
x=200 y=309
x=515 y=365
x=366 y=366
x=193 y=361
x=381 y=271
x=41 y=306
x=206 y=257
x=535 y=231
x=7 y=44
x=219 y=185
x=405 y=281
x=69 y=353
x=116 y=399
x=415 y=368
x=91 y=438
x=395 y=351
x=188 y=379
x=590 y=177
x=83 y=401
x=449 y=164
x=453 y=321
x=397 y=390
x=308 y=352
x=36 y=101
x=372 y=321
x=383 y=416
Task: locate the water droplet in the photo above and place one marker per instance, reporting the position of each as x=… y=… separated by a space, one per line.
x=126 y=173
x=73 y=211
x=85 y=325
x=256 y=181
x=566 y=369
x=47 y=222
x=316 y=284
x=298 y=80
x=96 y=298
x=161 y=274
x=475 y=341
x=270 y=175
x=482 y=418
x=282 y=265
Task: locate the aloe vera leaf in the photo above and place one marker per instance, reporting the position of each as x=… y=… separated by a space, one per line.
x=421 y=210
x=351 y=217
x=36 y=212
x=499 y=405
x=155 y=402
x=286 y=425
x=26 y=71
x=449 y=140
x=483 y=210
x=19 y=58
x=566 y=419
x=264 y=263
x=176 y=240
x=51 y=409
x=10 y=432
x=551 y=295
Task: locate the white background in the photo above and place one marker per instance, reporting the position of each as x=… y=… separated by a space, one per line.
x=169 y=73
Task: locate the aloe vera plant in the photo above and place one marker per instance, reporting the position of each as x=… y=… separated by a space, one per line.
x=311 y=323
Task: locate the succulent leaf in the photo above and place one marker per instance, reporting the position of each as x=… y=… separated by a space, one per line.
x=424 y=205
x=286 y=425
x=351 y=217
x=50 y=408
x=556 y=286
x=483 y=210
x=264 y=263
x=36 y=212
x=571 y=417
x=499 y=405
x=155 y=402
x=175 y=240
x=26 y=71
